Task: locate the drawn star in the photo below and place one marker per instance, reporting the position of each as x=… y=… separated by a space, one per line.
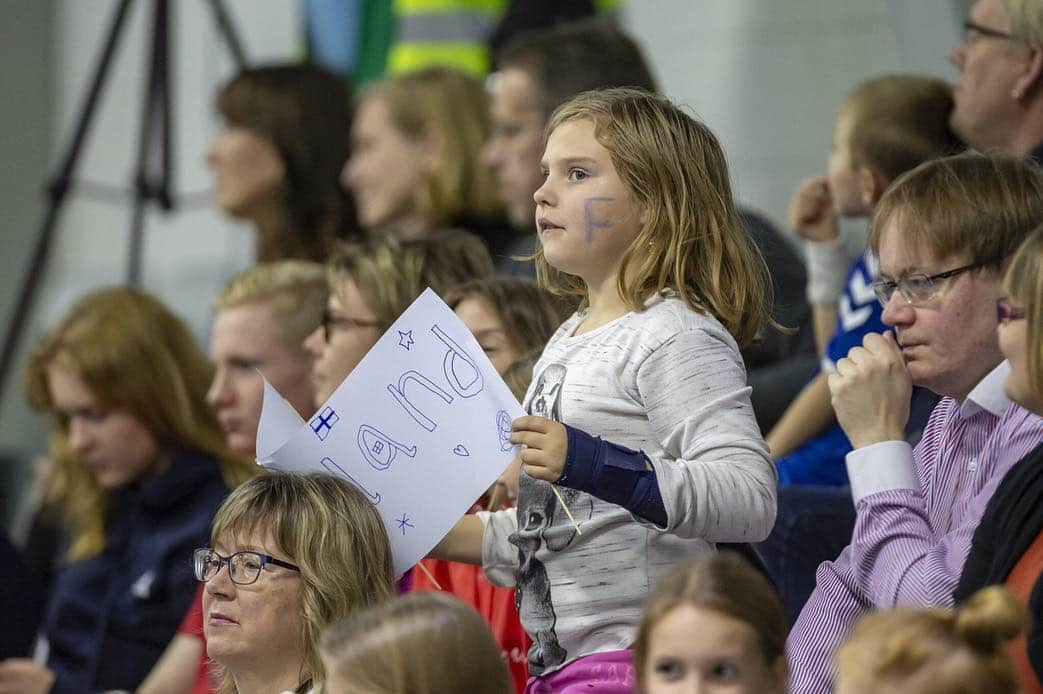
x=403 y=523
x=405 y=339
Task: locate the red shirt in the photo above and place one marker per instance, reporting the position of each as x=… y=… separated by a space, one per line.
x=495 y=604
x=1021 y=581
x=192 y=625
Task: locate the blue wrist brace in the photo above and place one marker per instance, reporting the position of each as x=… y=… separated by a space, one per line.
x=612 y=473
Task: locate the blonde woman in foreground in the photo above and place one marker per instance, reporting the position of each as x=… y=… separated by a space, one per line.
x=934 y=651
x=421 y=643
x=289 y=555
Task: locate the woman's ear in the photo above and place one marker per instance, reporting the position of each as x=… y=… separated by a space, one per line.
x=871 y=185
x=1030 y=74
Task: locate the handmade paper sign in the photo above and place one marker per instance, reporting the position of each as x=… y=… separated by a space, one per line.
x=422 y=426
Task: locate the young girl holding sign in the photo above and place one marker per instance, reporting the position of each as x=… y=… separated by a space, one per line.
x=636 y=218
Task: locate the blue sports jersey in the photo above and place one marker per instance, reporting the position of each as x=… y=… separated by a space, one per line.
x=821 y=459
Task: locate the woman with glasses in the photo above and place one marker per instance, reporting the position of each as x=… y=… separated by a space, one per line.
x=1007 y=547
x=289 y=555
x=138 y=467
x=372 y=282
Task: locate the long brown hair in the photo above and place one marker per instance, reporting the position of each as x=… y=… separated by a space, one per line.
x=135 y=356
x=304 y=111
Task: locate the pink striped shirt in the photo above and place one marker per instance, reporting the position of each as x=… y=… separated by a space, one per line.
x=916 y=513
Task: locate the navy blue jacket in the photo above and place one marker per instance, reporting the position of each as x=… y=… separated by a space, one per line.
x=110 y=617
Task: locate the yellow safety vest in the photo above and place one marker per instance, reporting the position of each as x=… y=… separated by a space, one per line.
x=443 y=32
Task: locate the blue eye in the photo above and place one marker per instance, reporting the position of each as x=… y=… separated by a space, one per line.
x=576 y=175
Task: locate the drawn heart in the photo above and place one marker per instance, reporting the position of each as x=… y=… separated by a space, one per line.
x=461 y=450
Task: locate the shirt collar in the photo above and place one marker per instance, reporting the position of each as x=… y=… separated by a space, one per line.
x=988 y=395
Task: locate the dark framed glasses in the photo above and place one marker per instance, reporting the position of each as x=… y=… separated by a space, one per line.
x=332 y=322
x=1005 y=312
x=920 y=288
x=243 y=567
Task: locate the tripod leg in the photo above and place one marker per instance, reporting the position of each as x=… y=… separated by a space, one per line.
x=154 y=166
x=57 y=189
x=152 y=177
x=224 y=25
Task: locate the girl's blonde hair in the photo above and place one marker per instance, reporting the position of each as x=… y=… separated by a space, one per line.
x=1024 y=284
x=328 y=528
x=692 y=241
x=421 y=643
x=452 y=107
x=137 y=357
x=725 y=583
x=391 y=274
x=295 y=291
x=930 y=651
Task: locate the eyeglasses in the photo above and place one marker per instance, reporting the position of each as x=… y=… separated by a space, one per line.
x=1006 y=313
x=919 y=288
x=972 y=33
x=331 y=322
x=243 y=567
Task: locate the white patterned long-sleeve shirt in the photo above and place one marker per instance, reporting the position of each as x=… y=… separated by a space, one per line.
x=667 y=381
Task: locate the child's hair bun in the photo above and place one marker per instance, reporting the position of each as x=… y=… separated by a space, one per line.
x=989 y=618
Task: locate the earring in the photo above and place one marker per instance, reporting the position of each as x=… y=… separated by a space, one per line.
x=1015 y=94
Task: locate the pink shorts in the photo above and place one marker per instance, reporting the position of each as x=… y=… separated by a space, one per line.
x=610 y=672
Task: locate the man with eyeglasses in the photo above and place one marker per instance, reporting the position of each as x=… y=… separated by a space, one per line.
x=999 y=95
x=942 y=235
